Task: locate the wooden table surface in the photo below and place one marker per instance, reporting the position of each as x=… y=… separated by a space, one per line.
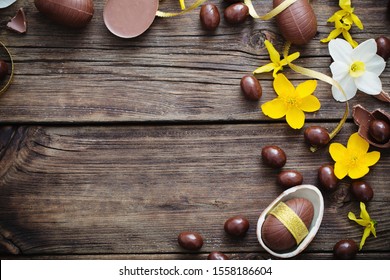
x=111 y=147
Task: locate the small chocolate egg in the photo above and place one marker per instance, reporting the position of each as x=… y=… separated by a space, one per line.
x=72 y=13
x=209 y=16
x=380 y=131
x=275 y=234
x=273 y=156
x=345 y=249
x=289 y=178
x=327 y=179
x=217 y=256
x=236 y=226
x=236 y=13
x=251 y=88
x=3 y=69
x=383 y=47
x=190 y=240
x=362 y=191
x=316 y=136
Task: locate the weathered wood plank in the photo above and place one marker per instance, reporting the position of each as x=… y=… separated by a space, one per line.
x=174 y=72
x=132 y=189
x=202 y=256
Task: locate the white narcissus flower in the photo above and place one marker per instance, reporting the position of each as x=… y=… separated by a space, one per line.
x=355 y=69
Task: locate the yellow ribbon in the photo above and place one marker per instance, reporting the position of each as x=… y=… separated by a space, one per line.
x=277 y=10
x=291 y=221
x=185 y=10
x=322 y=77
x=2 y=90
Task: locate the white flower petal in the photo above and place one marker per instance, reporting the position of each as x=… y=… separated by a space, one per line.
x=349 y=87
x=376 y=65
x=364 y=51
x=339 y=70
x=340 y=50
x=369 y=83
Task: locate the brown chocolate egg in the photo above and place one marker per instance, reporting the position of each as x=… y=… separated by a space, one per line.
x=297 y=23
x=275 y=234
x=374 y=132
x=71 y=13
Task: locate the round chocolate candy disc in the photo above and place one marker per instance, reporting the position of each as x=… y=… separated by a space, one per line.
x=129 y=18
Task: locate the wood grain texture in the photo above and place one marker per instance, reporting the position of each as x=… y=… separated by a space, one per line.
x=132 y=190
x=109 y=148
x=174 y=72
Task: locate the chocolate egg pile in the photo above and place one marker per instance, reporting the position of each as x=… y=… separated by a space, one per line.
x=274 y=232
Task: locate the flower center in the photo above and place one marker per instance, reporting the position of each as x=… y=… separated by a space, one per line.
x=357 y=69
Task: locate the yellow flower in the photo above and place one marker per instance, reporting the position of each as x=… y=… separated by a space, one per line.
x=353 y=160
x=365 y=221
x=346 y=14
x=276 y=64
x=341 y=28
x=344 y=19
x=292 y=102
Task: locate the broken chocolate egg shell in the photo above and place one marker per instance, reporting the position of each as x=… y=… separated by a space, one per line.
x=312 y=194
x=71 y=13
x=129 y=19
x=18 y=22
x=364 y=118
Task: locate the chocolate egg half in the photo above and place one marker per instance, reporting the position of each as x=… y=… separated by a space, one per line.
x=281 y=232
x=71 y=13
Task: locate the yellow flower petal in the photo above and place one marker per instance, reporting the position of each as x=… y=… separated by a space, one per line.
x=357 y=143
x=370 y=159
x=306 y=88
x=363 y=212
x=340 y=170
x=352 y=216
x=266 y=68
x=337 y=152
x=295 y=118
x=358 y=171
x=332 y=35
x=357 y=21
x=273 y=53
x=290 y=58
x=282 y=86
x=349 y=39
x=274 y=109
x=364 y=237
x=373 y=229
x=361 y=222
x=343 y=3
x=310 y=104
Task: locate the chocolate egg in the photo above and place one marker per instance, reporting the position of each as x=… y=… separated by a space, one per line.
x=72 y=13
x=289 y=178
x=310 y=193
x=274 y=232
x=129 y=18
x=297 y=23
x=370 y=129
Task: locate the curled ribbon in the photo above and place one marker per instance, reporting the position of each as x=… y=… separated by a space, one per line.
x=183 y=11
x=2 y=90
x=291 y=221
x=277 y=10
x=322 y=77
